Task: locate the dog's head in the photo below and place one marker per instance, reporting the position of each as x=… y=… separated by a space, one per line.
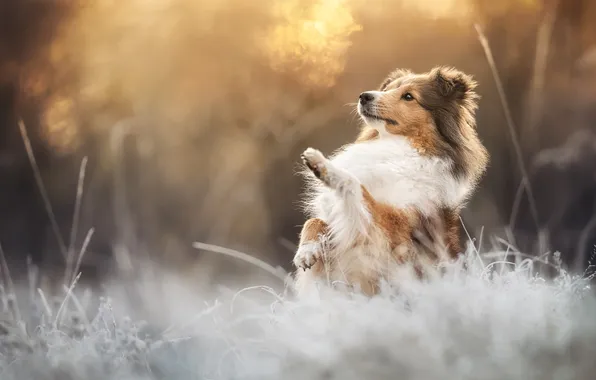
x=435 y=111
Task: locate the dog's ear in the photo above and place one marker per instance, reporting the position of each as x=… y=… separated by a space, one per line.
x=453 y=84
x=393 y=76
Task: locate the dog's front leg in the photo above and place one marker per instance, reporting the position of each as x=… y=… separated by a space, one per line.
x=348 y=188
x=312 y=243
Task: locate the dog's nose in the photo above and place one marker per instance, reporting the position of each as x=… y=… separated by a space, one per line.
x=366 y=97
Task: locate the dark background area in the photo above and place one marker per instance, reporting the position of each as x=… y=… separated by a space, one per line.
x=193 y=114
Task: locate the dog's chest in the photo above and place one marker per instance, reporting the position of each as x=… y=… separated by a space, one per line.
x=396 y=174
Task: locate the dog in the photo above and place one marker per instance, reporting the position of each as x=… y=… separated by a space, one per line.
x=415 y=163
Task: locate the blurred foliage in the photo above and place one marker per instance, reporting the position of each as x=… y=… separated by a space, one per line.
x=193 y=114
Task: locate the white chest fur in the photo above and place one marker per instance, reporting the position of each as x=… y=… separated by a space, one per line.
x=396 y=174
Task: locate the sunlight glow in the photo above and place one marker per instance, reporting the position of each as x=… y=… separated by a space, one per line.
x=123 y=58
x=311 y=38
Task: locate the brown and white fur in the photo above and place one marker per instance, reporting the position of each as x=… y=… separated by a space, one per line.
x=415 y=163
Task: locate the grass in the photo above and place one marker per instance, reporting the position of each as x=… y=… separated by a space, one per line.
x=500 y=319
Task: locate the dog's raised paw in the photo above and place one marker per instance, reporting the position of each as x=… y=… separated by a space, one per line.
x=315 y=161
x=307 y=255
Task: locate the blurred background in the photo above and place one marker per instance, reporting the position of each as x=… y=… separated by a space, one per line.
x=182 y=120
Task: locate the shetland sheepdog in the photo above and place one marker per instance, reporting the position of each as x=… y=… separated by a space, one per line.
x=414 y=164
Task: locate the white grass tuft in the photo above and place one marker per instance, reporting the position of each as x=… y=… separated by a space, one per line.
x=499 y=320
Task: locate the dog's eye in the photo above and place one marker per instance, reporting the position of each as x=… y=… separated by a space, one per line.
x=407 y=96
